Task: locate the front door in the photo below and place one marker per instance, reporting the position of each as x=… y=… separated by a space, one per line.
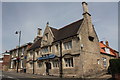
x=48 y=66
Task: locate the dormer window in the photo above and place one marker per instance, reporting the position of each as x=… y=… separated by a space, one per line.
x=91 y=38
x=107 y=50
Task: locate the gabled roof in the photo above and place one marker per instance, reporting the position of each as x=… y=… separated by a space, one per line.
x=54 y=31
x=67 y=31
x=29 y=43
x=36 y=44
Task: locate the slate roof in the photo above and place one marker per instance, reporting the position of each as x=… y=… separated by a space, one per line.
x=36 y=44
x=62 y=33
x=67 y=31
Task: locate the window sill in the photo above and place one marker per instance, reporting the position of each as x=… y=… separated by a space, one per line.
x=67 y=67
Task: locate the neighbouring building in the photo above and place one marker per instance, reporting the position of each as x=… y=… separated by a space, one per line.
x=6 y=61
x=19 y=54
x=71 y=51
x=1 y=61
x=107 y=53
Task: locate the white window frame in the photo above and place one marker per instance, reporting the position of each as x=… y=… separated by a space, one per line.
x=21 y=64
x=55 y=63
x=104 y=62
x=68 y=45
x=69 y=64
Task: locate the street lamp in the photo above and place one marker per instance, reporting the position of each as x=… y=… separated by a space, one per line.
x=18 y=59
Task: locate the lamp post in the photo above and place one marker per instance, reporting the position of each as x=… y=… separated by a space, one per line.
x=18 y=59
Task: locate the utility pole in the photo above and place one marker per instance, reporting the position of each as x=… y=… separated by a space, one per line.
x=18 y=59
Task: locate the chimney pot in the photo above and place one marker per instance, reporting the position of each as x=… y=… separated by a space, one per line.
x=85 y=3
x=101 y=41
x=39 y=32
x=85 y=7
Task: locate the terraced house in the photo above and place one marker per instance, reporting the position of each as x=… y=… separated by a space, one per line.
x=18 y=54
x=71 y=51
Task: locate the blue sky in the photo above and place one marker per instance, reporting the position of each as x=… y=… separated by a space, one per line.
x=28 y=16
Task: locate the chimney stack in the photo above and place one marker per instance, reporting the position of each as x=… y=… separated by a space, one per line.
x=106 y=42
x=87 y=19
x=39 y=32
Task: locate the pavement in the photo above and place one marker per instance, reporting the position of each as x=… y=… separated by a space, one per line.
x=26 y=76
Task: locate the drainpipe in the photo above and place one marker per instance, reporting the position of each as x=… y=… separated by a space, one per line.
x=33 y=61
x=61 y=68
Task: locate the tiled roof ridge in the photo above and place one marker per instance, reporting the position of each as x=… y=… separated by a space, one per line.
x=70 y=24
x=109 y=47
x=67 y=25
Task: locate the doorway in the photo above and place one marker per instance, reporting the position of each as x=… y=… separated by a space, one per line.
x=48 y=66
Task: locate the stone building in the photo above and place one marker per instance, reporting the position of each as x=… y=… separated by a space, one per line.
x=71 y=51
x=20 y=56
x=107 y=53
x=33 y=53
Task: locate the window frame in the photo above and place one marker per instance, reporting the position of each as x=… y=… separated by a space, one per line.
x=55 y=63
x=69 y=62
x=45 y=50
x=104 y=62
x=68 y=45
x=39 y=64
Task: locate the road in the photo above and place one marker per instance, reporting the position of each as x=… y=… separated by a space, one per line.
x=24 y=76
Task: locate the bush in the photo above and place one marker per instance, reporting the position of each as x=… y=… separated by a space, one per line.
x=115 y=66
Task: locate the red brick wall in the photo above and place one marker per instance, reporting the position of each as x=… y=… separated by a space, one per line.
x=6 y=60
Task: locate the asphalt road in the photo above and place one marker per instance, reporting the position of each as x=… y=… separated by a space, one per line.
x=24 y=76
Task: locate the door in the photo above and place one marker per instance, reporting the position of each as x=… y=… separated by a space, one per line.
x=48 y=66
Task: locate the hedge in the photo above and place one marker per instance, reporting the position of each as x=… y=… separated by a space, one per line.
x=115 y=66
